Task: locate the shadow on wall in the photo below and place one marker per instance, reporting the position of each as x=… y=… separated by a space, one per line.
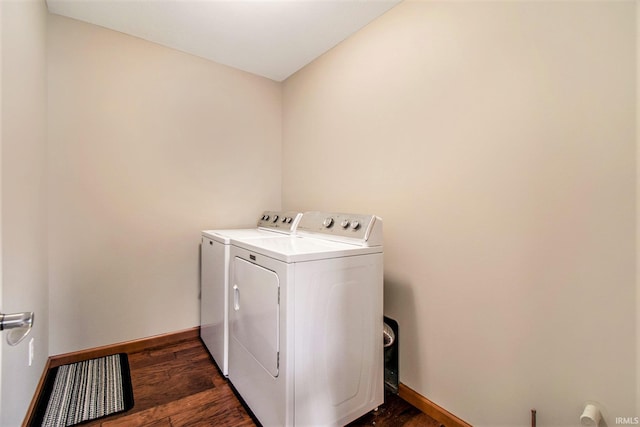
x=399 y=304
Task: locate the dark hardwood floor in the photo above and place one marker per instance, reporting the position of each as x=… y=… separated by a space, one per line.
x=179 y=385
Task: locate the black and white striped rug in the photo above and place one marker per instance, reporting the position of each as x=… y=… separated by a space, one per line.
x=85 y=391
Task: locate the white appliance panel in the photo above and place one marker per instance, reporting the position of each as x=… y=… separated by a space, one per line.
x=338 y=344
x=256 y=306
x=298 y=249
x=266 y=395
x=213 y=297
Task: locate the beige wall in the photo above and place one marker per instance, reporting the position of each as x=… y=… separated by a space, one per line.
x=505 y=130
x=637 y=3
x=24 y=264
x=147 y=146
x=496 y=140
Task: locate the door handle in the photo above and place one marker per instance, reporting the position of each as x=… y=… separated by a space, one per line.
x=19 y=324
x=236 y=298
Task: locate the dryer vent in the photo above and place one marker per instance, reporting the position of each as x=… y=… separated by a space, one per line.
x=390 y=335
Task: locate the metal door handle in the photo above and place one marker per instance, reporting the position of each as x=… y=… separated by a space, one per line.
x=236 y=298
x=19 y=323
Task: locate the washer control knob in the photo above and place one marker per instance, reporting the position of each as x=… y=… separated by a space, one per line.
x=328 y=222
x=344 y=223
x=265 y=217
x=275 y=218
x=355 y=225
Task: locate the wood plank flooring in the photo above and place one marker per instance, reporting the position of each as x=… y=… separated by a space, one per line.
x=179 y=385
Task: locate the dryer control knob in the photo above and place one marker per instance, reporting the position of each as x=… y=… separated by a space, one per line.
x=265 y=217
x=345 y=223
x=328 y=222
x=355 y=225
x=275 y=218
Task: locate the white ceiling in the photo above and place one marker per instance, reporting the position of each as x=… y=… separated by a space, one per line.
x=271 y=38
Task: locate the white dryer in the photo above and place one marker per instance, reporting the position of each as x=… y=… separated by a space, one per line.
x=306 y=320
x=214 y=277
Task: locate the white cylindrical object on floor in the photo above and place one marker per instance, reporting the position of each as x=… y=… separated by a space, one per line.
x=590 y=416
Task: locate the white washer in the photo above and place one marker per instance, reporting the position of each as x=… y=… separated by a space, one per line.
x=214 y=269
x=306 y=320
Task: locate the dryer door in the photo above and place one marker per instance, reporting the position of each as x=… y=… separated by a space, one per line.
x=256 y=307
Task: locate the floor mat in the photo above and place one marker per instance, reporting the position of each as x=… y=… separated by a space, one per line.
x=85 y=391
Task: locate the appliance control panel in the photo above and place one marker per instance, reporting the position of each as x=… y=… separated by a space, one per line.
x=284 y=221
x=351 y=228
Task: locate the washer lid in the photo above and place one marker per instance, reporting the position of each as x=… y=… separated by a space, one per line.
x=225 y=236
x=298 y=249
x=270 y=224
